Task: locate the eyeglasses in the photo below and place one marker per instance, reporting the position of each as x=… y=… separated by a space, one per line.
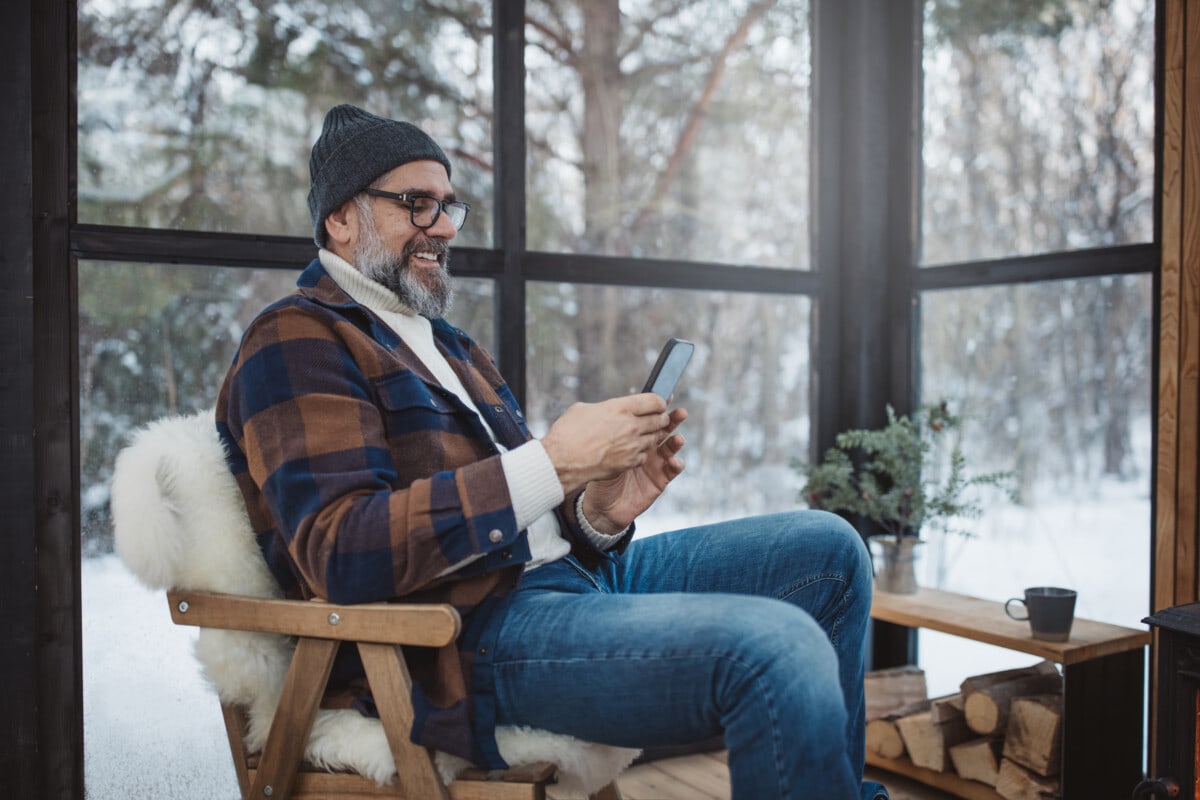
x=424 y=210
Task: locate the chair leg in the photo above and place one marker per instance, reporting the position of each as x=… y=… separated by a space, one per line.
x=293 y=720
x=391 y=686
x=610 y=792
x=235 y=729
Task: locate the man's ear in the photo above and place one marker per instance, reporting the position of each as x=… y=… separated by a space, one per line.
x=341 y=227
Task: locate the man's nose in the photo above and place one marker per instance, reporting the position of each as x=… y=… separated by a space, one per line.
x=444 y=227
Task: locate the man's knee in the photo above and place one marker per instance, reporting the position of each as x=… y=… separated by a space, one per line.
x=777 y=641
x=787 y=664
x=824 y=538
x=852 y=550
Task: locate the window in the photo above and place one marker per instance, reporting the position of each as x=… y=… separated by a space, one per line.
x=1039 y=126
x=194 y=126
x=201 y=116
x=1039 y=142
x=690 y=168
x=746 y=389
x=156 y=340
x=670 y=132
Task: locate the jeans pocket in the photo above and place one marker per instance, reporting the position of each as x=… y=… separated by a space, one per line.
x=583 y=572
x=564 y=575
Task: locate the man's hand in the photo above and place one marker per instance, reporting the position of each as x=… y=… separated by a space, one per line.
x=595 y=441
x=611 y=504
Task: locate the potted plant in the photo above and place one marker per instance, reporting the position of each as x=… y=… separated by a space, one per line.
x=904 y=477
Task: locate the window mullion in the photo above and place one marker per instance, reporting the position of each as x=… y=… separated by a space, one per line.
x=509 y=152
x=866 y=113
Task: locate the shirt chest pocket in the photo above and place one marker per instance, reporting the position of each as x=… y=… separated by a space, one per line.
x=410 y=406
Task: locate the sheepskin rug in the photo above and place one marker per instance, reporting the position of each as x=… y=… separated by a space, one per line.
x=179 y=522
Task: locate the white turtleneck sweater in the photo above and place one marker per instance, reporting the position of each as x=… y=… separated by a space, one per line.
x=532 y=480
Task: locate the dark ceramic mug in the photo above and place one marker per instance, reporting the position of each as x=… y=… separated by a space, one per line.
x=1049 y=609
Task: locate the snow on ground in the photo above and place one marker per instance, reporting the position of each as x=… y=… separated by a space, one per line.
x=1098 y=546
x=153 y=728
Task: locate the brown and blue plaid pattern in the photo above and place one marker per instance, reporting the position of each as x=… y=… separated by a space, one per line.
x=365 y=480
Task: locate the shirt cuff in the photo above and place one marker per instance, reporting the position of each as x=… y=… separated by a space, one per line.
x=602 y=540
x=532 y=481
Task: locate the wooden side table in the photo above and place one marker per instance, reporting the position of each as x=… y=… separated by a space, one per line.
x=1103 y=683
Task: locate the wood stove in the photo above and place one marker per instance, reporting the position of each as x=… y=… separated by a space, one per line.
x=1176 y=768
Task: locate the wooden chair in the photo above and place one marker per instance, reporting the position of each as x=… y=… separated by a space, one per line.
x=377 y=629
x=180 y=525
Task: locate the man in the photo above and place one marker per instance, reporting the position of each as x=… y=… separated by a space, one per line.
x=382 y=456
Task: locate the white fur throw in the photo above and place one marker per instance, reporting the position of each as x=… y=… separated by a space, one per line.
x=180 y=522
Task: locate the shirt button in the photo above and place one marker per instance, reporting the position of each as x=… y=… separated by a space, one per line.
x=498 y=409
x=483 y=651
x=496 y=536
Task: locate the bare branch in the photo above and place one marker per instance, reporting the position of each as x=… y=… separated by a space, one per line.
x=469 y=18
x=563 y=50
x=646 y=26
x=474 y=158
x=691 y=129
x=652 y=70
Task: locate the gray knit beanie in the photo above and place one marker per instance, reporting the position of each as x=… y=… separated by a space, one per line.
x=356 y=147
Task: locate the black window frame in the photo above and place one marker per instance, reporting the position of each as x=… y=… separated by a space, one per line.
x=866 y=285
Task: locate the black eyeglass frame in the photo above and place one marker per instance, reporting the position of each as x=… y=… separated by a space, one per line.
x=442 y=205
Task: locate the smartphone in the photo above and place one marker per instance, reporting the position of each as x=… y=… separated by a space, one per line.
x=674 y=357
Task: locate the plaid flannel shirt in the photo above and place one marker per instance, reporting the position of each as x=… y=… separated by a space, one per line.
x=365 y=480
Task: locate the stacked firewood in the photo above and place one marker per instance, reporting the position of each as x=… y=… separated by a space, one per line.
x=1003 y=729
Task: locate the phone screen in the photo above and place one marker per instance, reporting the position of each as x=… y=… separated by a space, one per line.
x=669 y=367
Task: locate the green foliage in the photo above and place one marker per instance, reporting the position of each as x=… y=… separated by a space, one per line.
x=891 y=475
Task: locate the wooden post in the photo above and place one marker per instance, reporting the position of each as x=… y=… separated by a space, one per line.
x=1177 y=517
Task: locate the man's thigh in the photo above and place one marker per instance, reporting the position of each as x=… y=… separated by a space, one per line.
x=647 y=670
x=808 y=558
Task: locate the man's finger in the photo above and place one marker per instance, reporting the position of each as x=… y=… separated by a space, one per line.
x=653 y=424
x=645 y=403
x=676 y=418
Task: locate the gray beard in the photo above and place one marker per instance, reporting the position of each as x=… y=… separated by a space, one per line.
x=430 y=296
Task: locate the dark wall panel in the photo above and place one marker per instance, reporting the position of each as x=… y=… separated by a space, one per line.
x=18 y=614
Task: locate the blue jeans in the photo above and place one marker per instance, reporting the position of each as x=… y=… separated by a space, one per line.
x=754 y=629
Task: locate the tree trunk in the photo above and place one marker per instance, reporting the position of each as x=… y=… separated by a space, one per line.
x=599 y=308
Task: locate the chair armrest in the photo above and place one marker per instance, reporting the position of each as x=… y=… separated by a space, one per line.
x=433 y=625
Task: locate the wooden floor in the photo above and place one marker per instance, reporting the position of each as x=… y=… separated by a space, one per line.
x=705 y=776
